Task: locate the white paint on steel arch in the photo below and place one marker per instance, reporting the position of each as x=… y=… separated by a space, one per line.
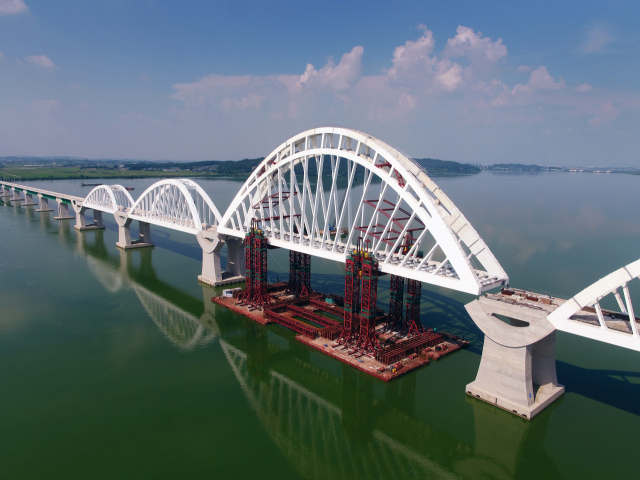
x=179 y=204
x=583 y=314
x=365 y=189
x=108 y=198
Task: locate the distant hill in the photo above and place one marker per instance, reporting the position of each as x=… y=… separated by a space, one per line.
x=518 y=167
x=431 y=165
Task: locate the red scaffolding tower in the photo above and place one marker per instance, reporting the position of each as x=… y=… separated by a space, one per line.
x=367 y=342
x=414 y=291
x=351 y=297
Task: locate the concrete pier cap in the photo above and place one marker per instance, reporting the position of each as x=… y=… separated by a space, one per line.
x=517 y=371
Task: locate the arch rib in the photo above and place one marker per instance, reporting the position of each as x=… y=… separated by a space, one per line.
x=108 y=198
x=583 y=315
x=289 y=214
x=179 y=204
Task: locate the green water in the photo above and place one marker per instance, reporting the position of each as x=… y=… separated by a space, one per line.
x=116 y=364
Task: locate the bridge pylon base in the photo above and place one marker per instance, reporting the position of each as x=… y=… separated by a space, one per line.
x=518 y=367
x=89 y=227
x=225 y=279
x=505 y=379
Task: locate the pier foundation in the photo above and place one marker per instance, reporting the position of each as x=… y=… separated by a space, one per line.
x=28 y=200
x=44 y=204
x=63 y=210
x=81 y=223
x=124 y=233
x=211 y=244
x=517 y=371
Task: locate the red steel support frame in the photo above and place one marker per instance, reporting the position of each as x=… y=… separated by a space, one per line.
x=305 y=274
x=351 y=299
x=396 y=303
x=367 y=341
x=260 y=297
x=414 y=291
x=247 y=295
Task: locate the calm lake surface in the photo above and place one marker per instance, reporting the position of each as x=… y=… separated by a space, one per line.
x=116 y=364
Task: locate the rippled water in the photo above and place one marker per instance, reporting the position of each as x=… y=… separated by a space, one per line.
x=116 y=364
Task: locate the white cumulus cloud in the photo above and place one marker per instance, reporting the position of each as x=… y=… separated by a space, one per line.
x=465 y=74
x=44 y=105
x=11 y=7
x=40 y=60
x=598 y=37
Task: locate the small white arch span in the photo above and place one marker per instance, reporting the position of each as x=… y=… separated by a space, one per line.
x=583 y=315
x=179 y=204
x=109 y=199
x=302 y=210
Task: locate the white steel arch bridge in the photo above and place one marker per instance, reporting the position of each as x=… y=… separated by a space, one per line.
x=294 y=194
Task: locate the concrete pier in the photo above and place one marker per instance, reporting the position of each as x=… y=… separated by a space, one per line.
x=124 y=233
x=28 y=200
x=517 y=371
x=63 y=210
x=81 y=223
x=211 y=243
x=44 y=204
x=6 y=192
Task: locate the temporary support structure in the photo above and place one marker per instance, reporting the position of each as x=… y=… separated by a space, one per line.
x=396 y=303
x=305 y=274
x=414 y=290
x=367 y=341
x=260 y=297
x=351 y=298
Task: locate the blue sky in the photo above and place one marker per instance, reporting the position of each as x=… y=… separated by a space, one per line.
x=546 y=82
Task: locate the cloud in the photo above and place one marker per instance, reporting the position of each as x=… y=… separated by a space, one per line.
x=598 y=37
x=604 y=113
x=12 y=7
x=143 y=77
x=1 y=54
x=40 y=60
x=475 y=46
x=44 y=105
x=464 y=75
x=332 y=76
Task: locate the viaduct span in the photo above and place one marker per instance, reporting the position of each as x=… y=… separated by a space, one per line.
x=320 y=191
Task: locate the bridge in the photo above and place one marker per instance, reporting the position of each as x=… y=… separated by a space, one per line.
x=321 y=191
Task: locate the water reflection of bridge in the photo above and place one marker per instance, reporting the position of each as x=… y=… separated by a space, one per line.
x=327 y=424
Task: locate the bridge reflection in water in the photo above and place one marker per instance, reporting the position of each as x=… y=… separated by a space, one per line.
x=327 y=424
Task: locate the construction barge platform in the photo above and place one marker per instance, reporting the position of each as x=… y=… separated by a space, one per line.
x=318 y=321
x=352 y=328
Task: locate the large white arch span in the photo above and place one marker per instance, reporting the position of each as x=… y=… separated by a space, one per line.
x=288 y=197
x=109 y=199
x=583 y=315
x=179 y=204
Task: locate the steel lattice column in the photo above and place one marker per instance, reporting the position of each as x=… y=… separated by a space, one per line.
x=305 y=274
x=351 y=299
x=414 y=290
x=293 y=272
x=367 y=341
x=247 y=295
x=396 y=302
x=260 y=296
